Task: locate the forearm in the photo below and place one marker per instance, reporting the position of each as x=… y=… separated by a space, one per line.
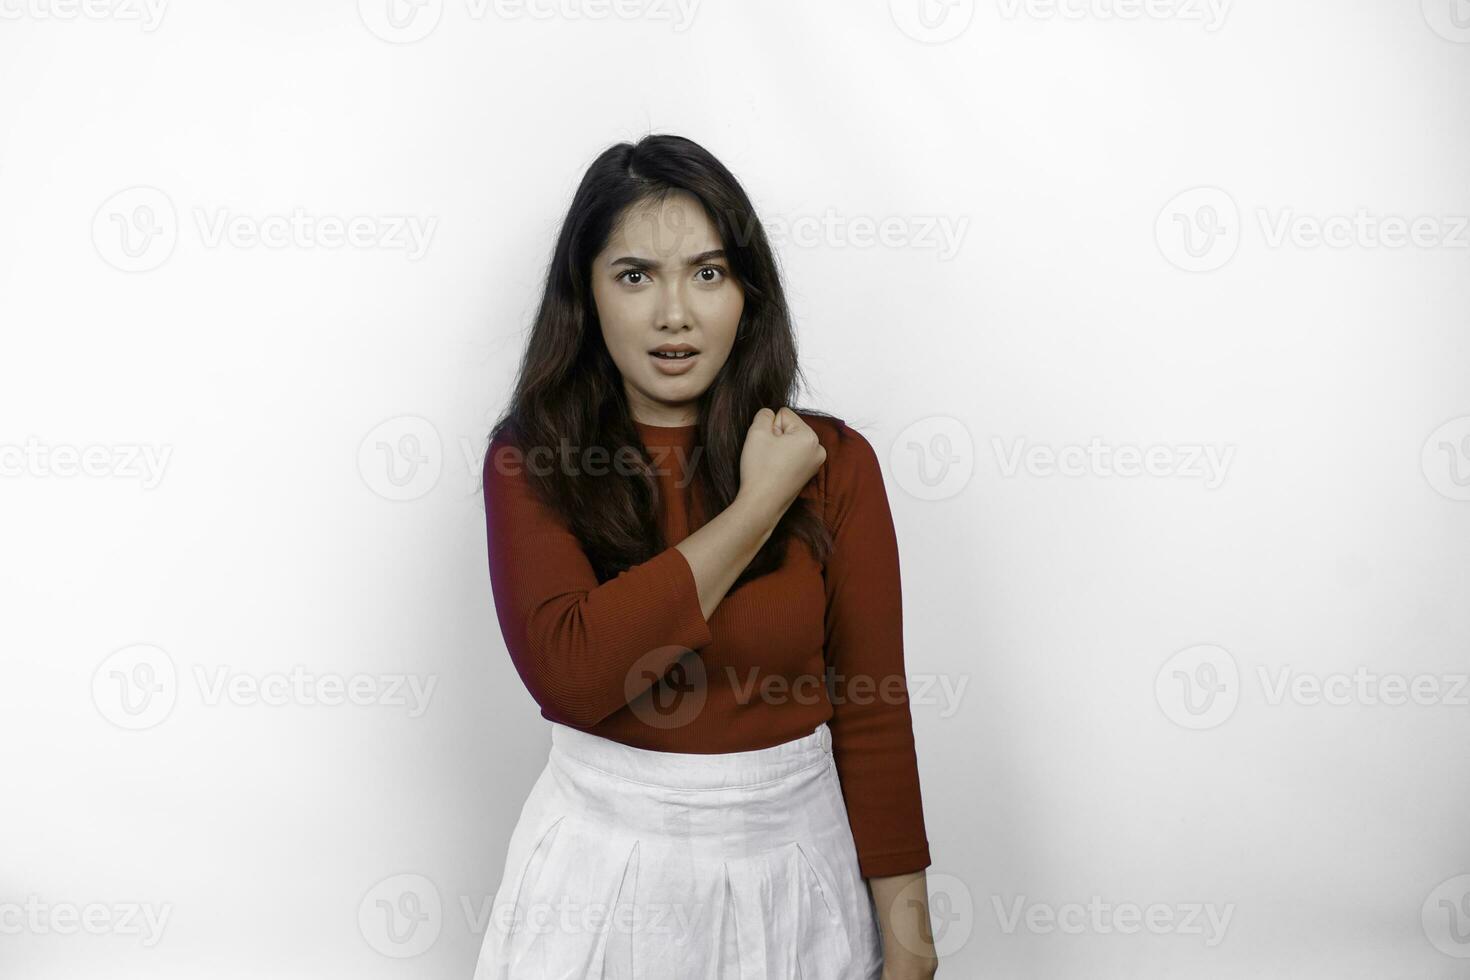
x=720 y=550
x=902 y=903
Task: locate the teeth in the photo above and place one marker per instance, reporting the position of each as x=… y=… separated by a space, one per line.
x=674 y=354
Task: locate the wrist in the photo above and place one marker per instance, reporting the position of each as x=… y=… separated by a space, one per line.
x=759 y=510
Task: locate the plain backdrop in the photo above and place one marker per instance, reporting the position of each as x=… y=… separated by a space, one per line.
x=1156 y=314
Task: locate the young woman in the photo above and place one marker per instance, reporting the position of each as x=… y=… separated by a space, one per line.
x=699 y=586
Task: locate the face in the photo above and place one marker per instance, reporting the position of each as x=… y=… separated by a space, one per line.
x=662 y=281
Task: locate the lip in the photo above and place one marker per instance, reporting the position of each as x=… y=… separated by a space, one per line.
x=669 y=367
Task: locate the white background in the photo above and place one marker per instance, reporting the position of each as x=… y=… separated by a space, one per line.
x=1112 y=644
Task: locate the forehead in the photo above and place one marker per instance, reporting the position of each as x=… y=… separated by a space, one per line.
x=673 y=227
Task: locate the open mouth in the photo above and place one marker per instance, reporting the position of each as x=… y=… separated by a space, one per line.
x=674 y=362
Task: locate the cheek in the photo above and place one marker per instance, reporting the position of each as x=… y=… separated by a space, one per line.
x=618 y=316
x=722 y=310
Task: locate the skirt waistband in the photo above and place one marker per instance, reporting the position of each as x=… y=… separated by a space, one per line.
x=693 y=770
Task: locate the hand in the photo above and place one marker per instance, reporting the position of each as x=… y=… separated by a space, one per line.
x=780 y=456
x=918 y=973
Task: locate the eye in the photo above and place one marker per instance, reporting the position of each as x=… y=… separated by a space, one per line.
x=720 y=273
x=630 y=272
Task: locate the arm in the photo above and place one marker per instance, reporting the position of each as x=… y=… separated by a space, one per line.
x=902 y=902
x=719 y=551
x=575 y=641
x=872 y=730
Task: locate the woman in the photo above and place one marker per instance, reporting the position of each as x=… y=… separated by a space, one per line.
x=701 y=592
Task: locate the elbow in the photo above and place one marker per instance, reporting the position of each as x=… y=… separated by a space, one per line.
x=565 y=693
x=562 y=700
x=569 y=707
x=573 y=714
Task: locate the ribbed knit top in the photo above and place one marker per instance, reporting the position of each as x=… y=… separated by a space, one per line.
x=633 y=658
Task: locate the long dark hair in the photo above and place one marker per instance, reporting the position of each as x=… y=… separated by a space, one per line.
x=570 y=392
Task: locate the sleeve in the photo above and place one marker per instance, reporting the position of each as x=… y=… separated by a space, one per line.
x=575 y=642
x=872 y=730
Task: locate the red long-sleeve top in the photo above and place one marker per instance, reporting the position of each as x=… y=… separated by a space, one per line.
x=634 y=660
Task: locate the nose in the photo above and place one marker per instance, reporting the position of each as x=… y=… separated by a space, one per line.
x=673 y=310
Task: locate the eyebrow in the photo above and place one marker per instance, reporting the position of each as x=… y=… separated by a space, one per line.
x=639 y=263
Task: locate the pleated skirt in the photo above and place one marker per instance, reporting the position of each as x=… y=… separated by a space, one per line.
x=631 y=864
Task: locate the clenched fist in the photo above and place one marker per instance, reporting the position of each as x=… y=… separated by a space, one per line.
x=780 y=456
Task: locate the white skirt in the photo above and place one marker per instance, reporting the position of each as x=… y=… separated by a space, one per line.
x=633 y=864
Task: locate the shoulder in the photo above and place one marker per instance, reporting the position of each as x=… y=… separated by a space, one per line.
x=851 y=470
x=848 y=450
x=509 y=452
x=502 y=455
x=504 y=473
